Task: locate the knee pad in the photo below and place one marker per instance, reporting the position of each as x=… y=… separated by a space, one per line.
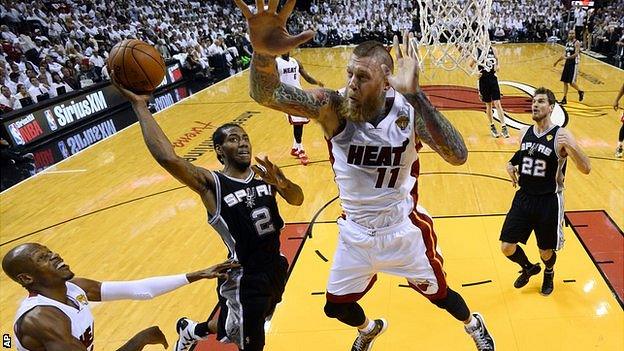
x=335 y=310
x=454 y=304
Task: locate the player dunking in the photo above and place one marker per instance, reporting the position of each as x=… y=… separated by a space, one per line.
x=56 y=315
x=290 y=71
x=539 y=169
x=374 y=128
x=241 y=206
x=572 y=57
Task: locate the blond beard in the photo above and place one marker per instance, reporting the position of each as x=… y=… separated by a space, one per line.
x=364 y=112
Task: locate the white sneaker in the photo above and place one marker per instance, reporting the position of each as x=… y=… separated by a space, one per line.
x=186 y=334
x=482 y=338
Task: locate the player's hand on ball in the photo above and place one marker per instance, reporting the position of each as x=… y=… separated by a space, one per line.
x=267 y=28
x=132 y=97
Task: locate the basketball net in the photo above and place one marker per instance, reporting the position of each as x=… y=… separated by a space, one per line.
x=454 y=34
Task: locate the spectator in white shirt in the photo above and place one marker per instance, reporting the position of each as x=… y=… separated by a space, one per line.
x=8 y=101
x=57 y=82
x=38 y=89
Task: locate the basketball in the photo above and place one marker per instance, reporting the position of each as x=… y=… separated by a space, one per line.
x=137 y=66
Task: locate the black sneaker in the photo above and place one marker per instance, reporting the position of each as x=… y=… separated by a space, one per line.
x=547 y=284
x=481 y=335
x=581 y=95
x=564 y=101
x=364 y=341
x=525 y=274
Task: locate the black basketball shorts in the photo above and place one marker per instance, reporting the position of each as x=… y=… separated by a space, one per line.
x=540 y=213
x=488 y=88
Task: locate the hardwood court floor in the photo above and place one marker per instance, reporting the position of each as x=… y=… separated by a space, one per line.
x=114 y=214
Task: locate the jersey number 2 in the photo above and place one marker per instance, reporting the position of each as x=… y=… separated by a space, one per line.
x=262 y=221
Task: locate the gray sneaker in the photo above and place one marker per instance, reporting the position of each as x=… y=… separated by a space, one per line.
x=493 y=131
x=481 y=335
x=364 y=341
x=504 y=132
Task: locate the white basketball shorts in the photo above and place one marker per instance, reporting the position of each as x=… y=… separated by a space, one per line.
x=408 y=249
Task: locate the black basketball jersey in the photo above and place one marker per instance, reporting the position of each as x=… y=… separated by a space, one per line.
x=570 y=49
x=248 y=221
x=542 y=170
x=491 y=60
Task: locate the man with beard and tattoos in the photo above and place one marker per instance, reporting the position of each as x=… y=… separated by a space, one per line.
x=241 y=207
x=374 y=128
x=539 y=169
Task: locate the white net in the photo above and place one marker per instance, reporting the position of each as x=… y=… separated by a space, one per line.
x=454 y=34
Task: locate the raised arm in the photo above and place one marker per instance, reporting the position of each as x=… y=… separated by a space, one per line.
x=198 y=179
x=432 y=127
x=273 y=175
x=569 y=146
x=308 y=77
x=269 y=38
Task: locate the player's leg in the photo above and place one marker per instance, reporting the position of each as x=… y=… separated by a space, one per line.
x=619 y=150
x=549 y=235
x=190 y=331
x=496 y=96
x=565 y=94
x=424 y=272
x=581 y=93
x=485 y=93
x=351 y=276
x=516 y=229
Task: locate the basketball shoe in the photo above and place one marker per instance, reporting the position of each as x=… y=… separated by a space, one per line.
x=504 y=132
x=364 y=341
x=547 y=284
x=493 y=131
x=525 y=274
x=619 y=151
x=186 y=335
x=294 y=152
x=303 y=158
x=481 y=335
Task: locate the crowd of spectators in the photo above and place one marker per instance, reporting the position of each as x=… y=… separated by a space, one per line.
x=52 y=47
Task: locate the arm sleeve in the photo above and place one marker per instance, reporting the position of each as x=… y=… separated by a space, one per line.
x=143 y=289
x=516 y=159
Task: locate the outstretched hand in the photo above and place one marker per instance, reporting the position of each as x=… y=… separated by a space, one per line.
x=270 y=173
x=405 y=81
x=153 y=336
x=131 y=96
x=267 y=28
x=216 y=271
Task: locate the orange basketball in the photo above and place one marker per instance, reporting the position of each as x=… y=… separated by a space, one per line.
x=137 y=65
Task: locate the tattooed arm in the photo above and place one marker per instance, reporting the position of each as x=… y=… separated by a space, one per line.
x=436 y=131
x=266 y=88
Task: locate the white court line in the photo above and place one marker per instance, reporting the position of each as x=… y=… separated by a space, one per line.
x=65 y=171
x=238 y=74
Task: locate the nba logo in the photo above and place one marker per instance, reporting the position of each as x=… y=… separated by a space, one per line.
x=15 y=133
x=50 y=118
x=63 y=149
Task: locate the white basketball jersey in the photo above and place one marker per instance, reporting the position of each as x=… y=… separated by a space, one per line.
x=81 y=317
x=288 y=71
x=376 y=168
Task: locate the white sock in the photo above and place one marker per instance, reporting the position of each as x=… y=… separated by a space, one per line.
x=297 y=146
x=473 y=324
x=367 y=329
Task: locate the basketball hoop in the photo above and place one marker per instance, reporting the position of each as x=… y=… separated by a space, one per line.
x=454 y=34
